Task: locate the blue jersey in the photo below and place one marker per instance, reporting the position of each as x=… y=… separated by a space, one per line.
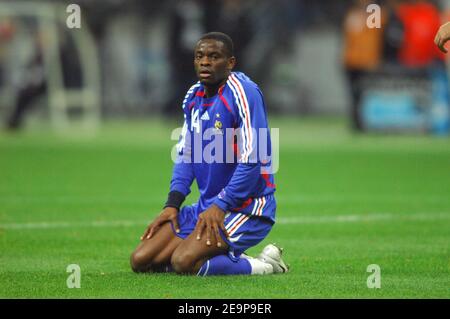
x=225 y=146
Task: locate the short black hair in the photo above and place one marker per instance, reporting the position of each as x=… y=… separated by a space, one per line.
x=222 y=37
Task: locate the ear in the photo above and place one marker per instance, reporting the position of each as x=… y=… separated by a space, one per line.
x=231 y=63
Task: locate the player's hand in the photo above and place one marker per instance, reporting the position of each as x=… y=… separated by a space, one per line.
x=442 y=36
x=211 y=220
x=167 y=214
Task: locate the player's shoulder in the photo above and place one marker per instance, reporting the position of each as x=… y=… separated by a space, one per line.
x=190 y=94
x=240 y=78
x=240 y=81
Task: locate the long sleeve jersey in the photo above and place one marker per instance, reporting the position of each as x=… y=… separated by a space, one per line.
x=225 y=146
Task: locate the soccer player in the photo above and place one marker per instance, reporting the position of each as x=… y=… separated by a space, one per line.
x=236 y=208
x=442 y=36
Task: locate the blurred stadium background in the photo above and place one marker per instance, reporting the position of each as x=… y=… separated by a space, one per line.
x=348 y=196
x=134 y=59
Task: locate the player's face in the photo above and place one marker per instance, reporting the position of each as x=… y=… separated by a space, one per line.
x=211 y=63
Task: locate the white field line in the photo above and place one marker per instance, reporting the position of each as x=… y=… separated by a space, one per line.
x=77 y=199
x=282 y=220
x=59 y=224
x=363 y=218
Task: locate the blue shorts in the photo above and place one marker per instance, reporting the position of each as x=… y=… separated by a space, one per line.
x=245 y=230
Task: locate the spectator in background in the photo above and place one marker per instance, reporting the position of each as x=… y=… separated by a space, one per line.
x=232 y=17
x=34 y=83
x=421 y=59
x=6 y=33
x=393 y=33
x=362 y=53
x=421 y=20
x=186 y=26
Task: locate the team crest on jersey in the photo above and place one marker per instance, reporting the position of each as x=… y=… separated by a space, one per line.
x=218 y=127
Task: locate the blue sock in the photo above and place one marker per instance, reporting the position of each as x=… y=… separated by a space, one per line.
x=222 y=265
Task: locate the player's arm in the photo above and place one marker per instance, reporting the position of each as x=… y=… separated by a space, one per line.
x=244 y=181
x=442 y=36
x=180 y=184
x=183 y=172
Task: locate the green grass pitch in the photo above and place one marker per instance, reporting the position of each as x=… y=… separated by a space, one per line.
x=344 y=202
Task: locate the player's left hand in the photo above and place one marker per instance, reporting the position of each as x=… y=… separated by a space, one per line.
x=211 y=220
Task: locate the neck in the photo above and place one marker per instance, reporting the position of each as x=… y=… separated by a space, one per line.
x=211 y=90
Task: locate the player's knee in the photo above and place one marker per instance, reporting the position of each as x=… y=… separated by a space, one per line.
x=140 y=262
x=182 y=262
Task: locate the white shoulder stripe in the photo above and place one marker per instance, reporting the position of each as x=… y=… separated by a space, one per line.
x=245 y=115
x=241 y=114
x=247 y=118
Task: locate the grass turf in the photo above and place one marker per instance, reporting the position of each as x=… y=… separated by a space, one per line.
x=344 y=202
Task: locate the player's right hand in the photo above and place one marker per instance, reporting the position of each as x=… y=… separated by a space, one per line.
x=442 y=36
x=167 y=214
